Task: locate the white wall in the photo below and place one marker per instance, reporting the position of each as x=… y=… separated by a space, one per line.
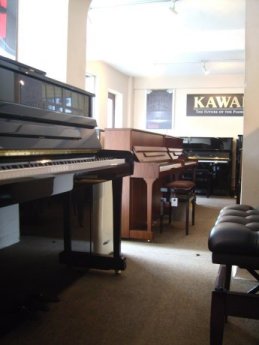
x=52 y=37
x=250 y=173
x=133 y=91
x=42 y=35
x=191 y=125
x=110 y=80
x=76 y=42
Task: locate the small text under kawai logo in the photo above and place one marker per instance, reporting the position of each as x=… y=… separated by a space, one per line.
x=215 y=104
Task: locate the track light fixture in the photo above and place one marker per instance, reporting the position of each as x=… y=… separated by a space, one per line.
x=205 y=68
x=172 y=7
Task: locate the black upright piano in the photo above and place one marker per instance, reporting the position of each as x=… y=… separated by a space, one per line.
x=214 y=170
x=49 y=147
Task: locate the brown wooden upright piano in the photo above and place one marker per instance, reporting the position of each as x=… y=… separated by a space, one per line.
x=154 y=164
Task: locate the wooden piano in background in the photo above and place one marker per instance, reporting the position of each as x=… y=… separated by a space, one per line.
x=154 y=164
x=49 y=147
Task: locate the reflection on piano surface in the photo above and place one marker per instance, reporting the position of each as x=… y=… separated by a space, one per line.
x=49 y=146
x=214 y=155
x=158 y=158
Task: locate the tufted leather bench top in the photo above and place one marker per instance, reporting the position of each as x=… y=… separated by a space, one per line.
x=234 y=239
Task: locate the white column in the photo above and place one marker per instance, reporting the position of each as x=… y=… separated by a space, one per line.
x=76 y=42
x=250 y=171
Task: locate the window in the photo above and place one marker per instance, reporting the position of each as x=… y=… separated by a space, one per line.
x=90 y=84
x=111 y=110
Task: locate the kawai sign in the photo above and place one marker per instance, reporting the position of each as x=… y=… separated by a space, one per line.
x=215 y=104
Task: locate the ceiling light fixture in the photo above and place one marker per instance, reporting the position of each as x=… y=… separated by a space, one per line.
x=172 y=7
x=205 y=68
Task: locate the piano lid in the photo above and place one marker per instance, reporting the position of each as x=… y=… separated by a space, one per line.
x=28 y=87
x=207 y=144
x=38 y=113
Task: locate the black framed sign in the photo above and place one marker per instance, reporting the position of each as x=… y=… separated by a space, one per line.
x=159 y=109
x=231 y=104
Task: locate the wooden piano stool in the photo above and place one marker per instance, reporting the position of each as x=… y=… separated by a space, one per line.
x=183 y=191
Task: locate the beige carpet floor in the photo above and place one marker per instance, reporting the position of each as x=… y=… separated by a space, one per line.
x=162 y=298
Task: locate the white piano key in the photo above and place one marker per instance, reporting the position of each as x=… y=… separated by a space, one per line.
x=170 y=166
x=56 y=167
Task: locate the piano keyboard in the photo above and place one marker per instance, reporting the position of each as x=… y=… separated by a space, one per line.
x=9 y=171
x=170 y=166
x=215 y=161
x=189 y=163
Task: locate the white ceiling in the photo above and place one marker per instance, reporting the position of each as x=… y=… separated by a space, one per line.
x=146 y=38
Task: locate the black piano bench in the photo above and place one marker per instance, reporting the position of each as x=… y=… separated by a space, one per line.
x=234 y=241
x=184 y=191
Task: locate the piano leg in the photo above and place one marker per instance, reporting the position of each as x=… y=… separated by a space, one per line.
x=144 y=230
x=149 y=183
x=119 y=261
x=67 y=222
x=90 y=259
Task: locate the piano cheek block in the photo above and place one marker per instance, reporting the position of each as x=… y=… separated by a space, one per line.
x=26 y=191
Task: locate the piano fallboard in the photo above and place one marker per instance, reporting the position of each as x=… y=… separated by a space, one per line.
x=155 y=170
x=155 y=162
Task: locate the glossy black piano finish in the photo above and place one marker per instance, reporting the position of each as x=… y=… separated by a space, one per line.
x=49 y=147
x=29 y=87
x=214 y=170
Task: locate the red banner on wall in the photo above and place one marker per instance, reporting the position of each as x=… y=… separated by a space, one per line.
x=3 y=18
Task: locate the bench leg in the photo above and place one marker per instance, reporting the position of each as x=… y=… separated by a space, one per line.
x=217 y=319
x=161 y=215
x=228 y=273
x=218 y=315
x=193 y=201
x=193 y=210
x=187 y=210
